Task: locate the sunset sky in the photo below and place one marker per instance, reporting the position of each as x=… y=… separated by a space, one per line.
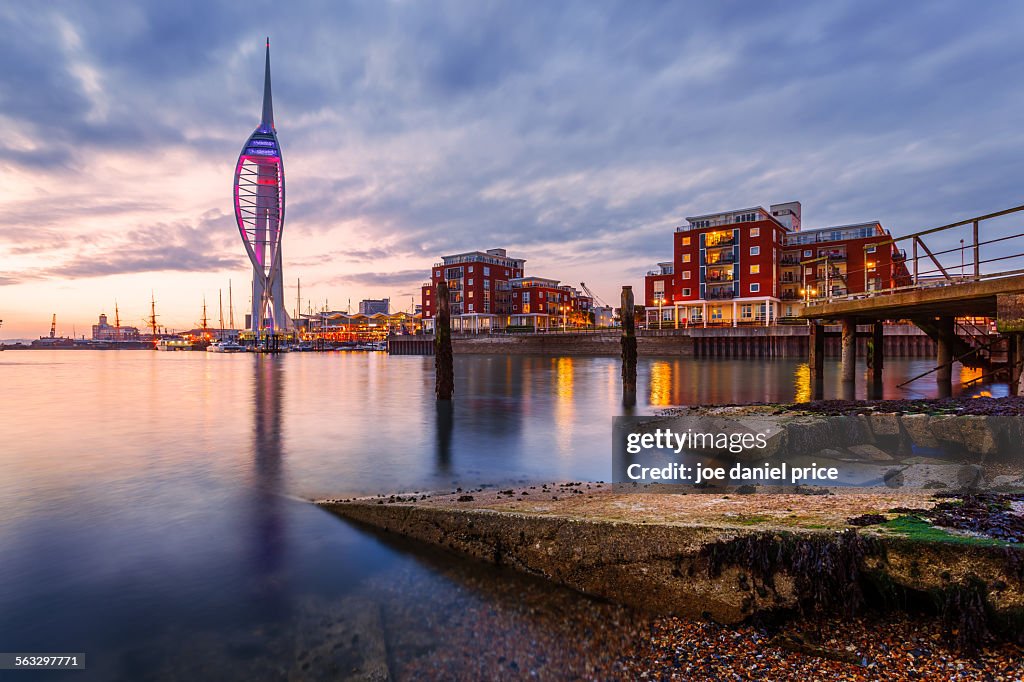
x=574 y=134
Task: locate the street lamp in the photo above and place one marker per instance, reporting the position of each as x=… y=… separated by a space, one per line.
x=661 y=300
x=563 y=318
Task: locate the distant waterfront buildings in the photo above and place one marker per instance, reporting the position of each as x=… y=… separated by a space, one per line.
x=489 y=290
x=372 y=306
x=757 y=266
x=103 y=331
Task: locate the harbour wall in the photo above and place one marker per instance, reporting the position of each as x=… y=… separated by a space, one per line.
x=791 y=341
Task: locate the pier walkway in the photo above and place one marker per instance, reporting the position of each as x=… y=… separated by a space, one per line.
x=945 y=294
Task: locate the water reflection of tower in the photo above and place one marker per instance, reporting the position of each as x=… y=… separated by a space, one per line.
x=267 y=529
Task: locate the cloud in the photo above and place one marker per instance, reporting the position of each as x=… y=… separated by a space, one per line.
x=574 y=132
x=389 y=279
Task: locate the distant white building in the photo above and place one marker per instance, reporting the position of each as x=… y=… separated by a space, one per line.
x=372 y=306
x=604 y=316
x=108 y=332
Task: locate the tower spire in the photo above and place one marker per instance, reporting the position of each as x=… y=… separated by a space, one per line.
x=268 y=101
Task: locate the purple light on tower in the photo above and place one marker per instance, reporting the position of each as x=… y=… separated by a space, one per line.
x=259 y=213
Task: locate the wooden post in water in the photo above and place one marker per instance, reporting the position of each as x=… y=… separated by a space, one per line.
x=629 y=354
x=444 y=380
x=816 y=359
x=876 y=359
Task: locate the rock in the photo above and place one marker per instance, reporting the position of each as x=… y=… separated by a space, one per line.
x=917 y=427
x=1007 y=481
x=830 y=453
x=870 y=452
x=972 y=433
x=886 y=424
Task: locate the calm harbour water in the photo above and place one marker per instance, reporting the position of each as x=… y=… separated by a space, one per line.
x=153 y=506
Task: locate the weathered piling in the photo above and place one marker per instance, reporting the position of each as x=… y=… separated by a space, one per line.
x=629 y=355
x=444 y=380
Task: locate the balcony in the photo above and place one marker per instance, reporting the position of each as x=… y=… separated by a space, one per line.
x=790 y=296
x=719 y=243
x=719 y=294
x=789 y=260
x=722 y=259
x=719 y=277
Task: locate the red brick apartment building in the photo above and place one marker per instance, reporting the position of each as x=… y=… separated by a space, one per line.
x=757 y=266
x=488 y=290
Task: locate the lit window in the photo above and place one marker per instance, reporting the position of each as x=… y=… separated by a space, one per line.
x=755 y=287
x=686 y=241
x=755 y=250
x=470 y=294
x=686 y=258
x=428 y=292
x=686 y=274
x=755 y=232
x=755 y=269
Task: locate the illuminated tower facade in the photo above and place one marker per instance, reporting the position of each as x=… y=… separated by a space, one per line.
x=259 y=213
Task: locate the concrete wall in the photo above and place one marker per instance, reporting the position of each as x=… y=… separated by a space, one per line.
x=785 y=341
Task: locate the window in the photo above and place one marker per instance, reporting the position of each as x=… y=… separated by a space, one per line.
x=469 y=282
x=755 y=232
x=746 y=310
x=526 y=297
x=716 y=313
x=470 y=294
x=686 y=241
x=686 y=292
x=437 y=273
x=471 y=268
x=755 y=269
x=755 y=250
x=427 y=292
x=659 y=287
x=807 y=253
x=695 y=313
x=540 y=295
x=686 y=274
x=487 y=271
x=755 y=287
x=470 y=307
x=870 y=249
x=487 y=284
x=686 y=258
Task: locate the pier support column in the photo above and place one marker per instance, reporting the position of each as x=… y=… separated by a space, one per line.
x=1015 y=361
x=816 y=359
x=944 y=355
x=849 y=350
x=876 y=359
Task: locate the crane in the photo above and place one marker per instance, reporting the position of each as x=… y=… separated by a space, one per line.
x=591 y=294
x=53 y=326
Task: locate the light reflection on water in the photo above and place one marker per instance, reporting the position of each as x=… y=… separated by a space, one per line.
x=150 y=498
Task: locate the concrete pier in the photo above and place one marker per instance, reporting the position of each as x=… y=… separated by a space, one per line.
x=658 y=551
